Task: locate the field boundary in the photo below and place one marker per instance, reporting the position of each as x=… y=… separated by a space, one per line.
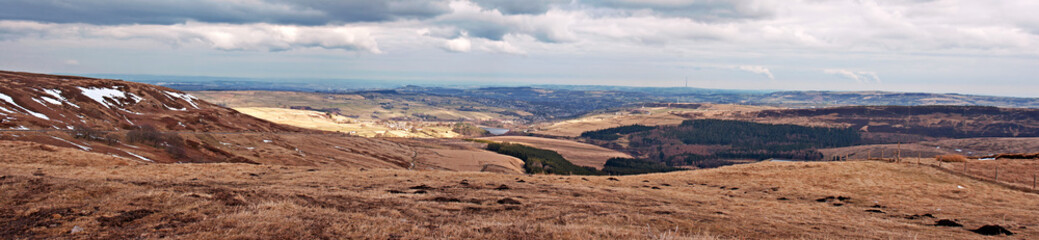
x=976 y=178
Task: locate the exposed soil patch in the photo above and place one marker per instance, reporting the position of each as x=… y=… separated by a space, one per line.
x=14 y=227
x=124 y=218
x=992 y=230
x=947 y=223
x=446 y=199
x=917 y=216
x=509 y=201
x=422 y=187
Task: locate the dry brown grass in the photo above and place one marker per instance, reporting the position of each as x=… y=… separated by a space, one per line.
x=472 y=160
x=581 y=154
x=762 y=200
x=951 y=158
x=19 y=152
x=1021 y=173
x=928 y=149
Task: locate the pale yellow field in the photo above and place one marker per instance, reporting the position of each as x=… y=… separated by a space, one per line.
x=365 y=128
x=353 y=104
x=581 y=154
x=656 y=116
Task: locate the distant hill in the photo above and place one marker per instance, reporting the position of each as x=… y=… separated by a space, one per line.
x=37 y=101
x=558 y=100
x=833 y=98
x=147 y=123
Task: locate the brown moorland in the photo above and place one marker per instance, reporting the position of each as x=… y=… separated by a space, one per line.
x=972 y=147
x=826 y=200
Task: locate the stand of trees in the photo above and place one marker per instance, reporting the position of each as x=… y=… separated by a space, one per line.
x=610 y=134
x=751 y=135
x=538 y=160
x=627 y=166
x=707 y=143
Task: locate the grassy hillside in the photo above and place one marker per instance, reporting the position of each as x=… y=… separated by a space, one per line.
x=838 y=200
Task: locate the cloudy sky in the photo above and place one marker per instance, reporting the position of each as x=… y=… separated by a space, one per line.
x=964 y=46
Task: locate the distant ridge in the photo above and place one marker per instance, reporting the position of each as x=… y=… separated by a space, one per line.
x=785 y=98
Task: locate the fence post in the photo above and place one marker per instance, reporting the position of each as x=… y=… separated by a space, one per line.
x=898 y=155
x=964 y=167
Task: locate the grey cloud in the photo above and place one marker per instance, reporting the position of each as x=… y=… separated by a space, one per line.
x=700 y=10
x=520 y=7
x=220 y=36
x=479 y=22
x=302 y=12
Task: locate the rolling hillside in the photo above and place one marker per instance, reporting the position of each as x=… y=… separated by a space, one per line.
x=145 y=123
x=108 y=199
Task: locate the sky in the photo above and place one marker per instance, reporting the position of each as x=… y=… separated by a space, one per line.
x=946 y=46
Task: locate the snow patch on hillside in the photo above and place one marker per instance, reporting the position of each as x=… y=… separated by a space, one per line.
x=186 y=97
x=54 y=93
x=48 y=100
x=57 y=95
x=10 y=100
x=174 y=109
x=138 y=156
x=99 y=95
x=84 y=148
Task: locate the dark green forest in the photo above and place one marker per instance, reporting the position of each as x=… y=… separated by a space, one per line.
x=538 y=160
x=709 y=143
x=751 y=135
x=610 y=134
x=628 y=166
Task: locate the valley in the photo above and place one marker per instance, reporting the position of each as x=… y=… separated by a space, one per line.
x=519 y=120
x=118 y=159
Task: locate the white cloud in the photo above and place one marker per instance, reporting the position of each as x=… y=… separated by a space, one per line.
x=460 y=44
x=858 y=76
x=500 y=47
x=758 y=70
x=250 y=37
